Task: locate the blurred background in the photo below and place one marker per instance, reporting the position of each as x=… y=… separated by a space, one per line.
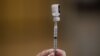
x=26 y=27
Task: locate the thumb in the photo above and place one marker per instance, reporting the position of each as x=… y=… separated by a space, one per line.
x=52 y=54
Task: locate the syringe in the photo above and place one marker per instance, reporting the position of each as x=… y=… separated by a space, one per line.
x=56 y=18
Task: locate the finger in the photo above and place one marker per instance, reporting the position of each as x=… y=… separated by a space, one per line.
x=60 y=52
x=45 y=52
x=52 y=54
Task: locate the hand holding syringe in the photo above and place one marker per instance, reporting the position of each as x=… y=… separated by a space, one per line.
x=55 y=51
